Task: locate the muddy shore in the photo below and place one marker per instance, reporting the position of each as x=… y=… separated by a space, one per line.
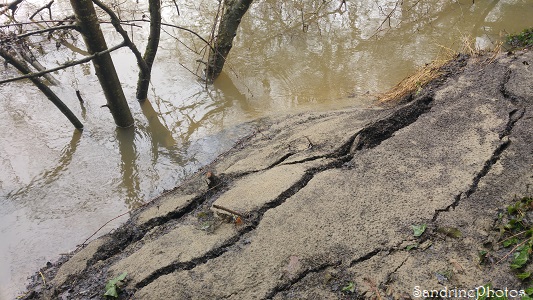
x=323 y=205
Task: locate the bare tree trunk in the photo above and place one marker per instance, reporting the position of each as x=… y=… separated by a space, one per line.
x=105 y=69
x=227 y=30
x=151 y=49
x=45 y=89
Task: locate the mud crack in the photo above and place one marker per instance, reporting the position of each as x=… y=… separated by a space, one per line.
x=514 y=116
x=130 y=233
x=214 y=253
x=287 y=285
x=503 y=90
x=366 y=257
x=188 y=265
x=372 y=135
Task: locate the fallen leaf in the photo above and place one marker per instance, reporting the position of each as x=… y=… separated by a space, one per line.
x=450 y=231
x=418 y=230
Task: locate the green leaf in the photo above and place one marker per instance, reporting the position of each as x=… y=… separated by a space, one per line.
x=520 y=258
x=112 y=292
x=510 y=242
x=529 y=291
x=418 y=230
x=482 y=255
x=411 y=247
x=451 y=232
x=349 y=288
x=111 y=286
x=523 y=276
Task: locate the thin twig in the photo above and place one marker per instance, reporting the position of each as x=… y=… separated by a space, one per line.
x=228 y=210
x=512 y=236
x=32 y=22
x=512 y=250
x=75 y=27
x=84 y=242
x=49 y=5
x=177 y=8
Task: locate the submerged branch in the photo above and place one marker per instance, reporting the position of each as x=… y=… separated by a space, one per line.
x=45 y=89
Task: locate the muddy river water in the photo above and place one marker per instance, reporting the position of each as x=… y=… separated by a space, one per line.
x=58 y=186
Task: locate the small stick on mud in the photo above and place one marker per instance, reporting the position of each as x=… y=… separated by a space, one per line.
x=228 y=210
x=512 y=250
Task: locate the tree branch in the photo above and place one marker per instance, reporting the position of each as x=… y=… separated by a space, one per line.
x=45 y=89
x=151 y=49
x=115 y=21
x=33 y=22
x=75 y=27
x=11 y=5
x=64 y=66
x=47 y=6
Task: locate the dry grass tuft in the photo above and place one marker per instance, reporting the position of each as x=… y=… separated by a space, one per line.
x=421 y=77
x=413 y=83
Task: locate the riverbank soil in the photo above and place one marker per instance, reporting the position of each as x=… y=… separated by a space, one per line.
x=323 y=205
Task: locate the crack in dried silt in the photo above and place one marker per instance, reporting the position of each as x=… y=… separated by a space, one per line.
x=253 y=224
x=366 y=257
x=514 y=116
x=279 y=161
x=287 y=285
x=389 y=278
x=342 y=153
x=372 y=135
x=216 y=252
x=130 y=233
x=188 y=265
x=503 y=90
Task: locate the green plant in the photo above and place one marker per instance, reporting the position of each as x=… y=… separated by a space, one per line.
x=418 y=230
x=521 y=39
x=517 y=229
x=349 y=288
x=113 y=286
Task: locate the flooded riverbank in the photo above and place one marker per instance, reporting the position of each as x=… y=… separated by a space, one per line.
x=58 y=186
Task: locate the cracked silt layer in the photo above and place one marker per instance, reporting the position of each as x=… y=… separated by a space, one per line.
x=330 y=198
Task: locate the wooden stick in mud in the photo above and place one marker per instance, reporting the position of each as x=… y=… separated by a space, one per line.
x=228 y=210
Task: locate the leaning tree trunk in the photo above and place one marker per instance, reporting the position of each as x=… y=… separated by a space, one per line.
x=227 y=30
x=45 y=89
x=105 y=69
x=151 y=49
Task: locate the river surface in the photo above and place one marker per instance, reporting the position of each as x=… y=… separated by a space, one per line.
x=58 y=186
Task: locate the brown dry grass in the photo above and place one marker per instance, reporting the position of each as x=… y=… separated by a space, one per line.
x=423 y=75
x=414 y=82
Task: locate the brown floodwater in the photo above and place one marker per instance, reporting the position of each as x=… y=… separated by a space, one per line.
x=58 y=186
